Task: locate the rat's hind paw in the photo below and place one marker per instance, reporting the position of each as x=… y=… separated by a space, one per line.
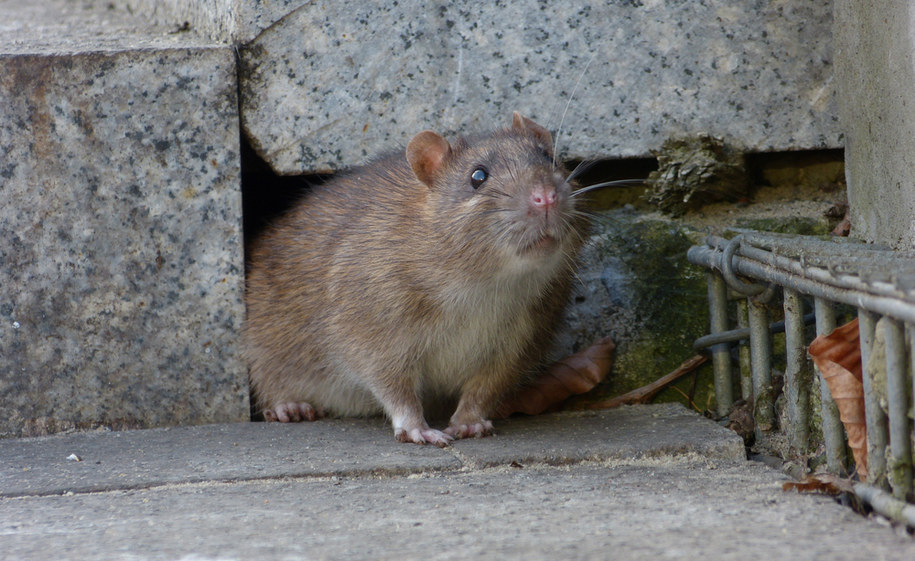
x=292 y=412
x=423 y=436
x=475 y=430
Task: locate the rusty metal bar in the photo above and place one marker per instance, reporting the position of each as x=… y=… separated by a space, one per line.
x=880 y=284
x=874 y=416
x=804 y=282
x=797 y=380
x=743 y=352
x=761 y=367
x=886 y=504
x=899 y=463
x=721 y=356
x=833 y=431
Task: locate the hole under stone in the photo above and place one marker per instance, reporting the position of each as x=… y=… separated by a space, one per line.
x=267 y=195
x=616 y=196
x=789 y=175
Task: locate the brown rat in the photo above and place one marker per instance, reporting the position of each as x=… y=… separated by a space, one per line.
x=420 y=277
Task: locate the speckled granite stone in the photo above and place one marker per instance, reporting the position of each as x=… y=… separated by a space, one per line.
x=223 y=20
x=334 y=82
x=63 y=27
x=122 y=272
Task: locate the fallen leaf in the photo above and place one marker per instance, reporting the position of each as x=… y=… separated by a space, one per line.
x=825 y=483
x=575 y=374
x=838 y=356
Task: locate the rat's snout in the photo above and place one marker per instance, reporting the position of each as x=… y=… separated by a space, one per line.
x=543 y=197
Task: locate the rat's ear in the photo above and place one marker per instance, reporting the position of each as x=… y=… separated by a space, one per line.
x=427 y=153
x=522 y=123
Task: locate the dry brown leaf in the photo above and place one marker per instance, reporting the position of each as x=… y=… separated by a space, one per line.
x=825 y=483
x=838 y=356
x=575 y=374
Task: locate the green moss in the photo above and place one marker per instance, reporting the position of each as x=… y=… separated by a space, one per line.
x=788 y=225
x=669 y=297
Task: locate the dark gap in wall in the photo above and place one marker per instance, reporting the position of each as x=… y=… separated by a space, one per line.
x=267 y=195
x=797 y=174
x=600 y=171
x=810 y=166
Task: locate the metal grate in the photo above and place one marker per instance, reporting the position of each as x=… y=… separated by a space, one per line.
x=874 y=282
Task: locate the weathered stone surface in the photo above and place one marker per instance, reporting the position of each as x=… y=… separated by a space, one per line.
x=223 y=20
x=636 y=285
x=62 y=27
x=652 y=509
x=122 y=272
x=875 y=72
x=332 y=83
x=345 y=448
x=227 y=452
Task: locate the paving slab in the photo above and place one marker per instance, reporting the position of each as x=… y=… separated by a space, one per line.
x=344 y=489
x=667 y=429
x=243 y=451
x=239 y=451
x=647 y=509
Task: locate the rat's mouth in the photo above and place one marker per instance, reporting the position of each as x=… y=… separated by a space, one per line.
x=542 y=244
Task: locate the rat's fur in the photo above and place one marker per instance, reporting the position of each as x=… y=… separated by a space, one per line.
x=400 y=285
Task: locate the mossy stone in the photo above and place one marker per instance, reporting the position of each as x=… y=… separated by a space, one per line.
x=638 y=286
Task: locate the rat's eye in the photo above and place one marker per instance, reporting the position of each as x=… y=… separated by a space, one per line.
x=478 y=177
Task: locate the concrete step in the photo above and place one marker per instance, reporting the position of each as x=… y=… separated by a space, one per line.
x=642 y=482
x=344 y=447
x=122 y=279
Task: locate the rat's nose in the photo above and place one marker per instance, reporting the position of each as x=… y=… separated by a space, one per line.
x=543 y=198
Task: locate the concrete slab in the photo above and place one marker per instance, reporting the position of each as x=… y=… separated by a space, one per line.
x=343 y=489
x=148 y=458
x=345 y=447
x=633 y=432
x=330 y=84
x=668 y=510
x=122 y=279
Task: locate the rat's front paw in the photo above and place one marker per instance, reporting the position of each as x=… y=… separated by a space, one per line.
x=423 y=436
x=460 y=430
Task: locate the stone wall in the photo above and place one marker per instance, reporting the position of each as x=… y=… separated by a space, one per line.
x=122 y=278
x=875 y=71
x=122 y=271
x=332 y=83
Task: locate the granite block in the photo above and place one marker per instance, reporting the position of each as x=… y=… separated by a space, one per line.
x=331 y=83
x=229 y=21
x=122 y=270
x=61 y=27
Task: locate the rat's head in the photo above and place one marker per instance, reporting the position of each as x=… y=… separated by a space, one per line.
x=501 y=195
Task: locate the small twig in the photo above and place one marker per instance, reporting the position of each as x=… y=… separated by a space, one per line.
x=689 y=400
x=645 y=393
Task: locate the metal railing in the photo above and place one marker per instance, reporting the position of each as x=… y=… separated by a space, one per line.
x=871 y=281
